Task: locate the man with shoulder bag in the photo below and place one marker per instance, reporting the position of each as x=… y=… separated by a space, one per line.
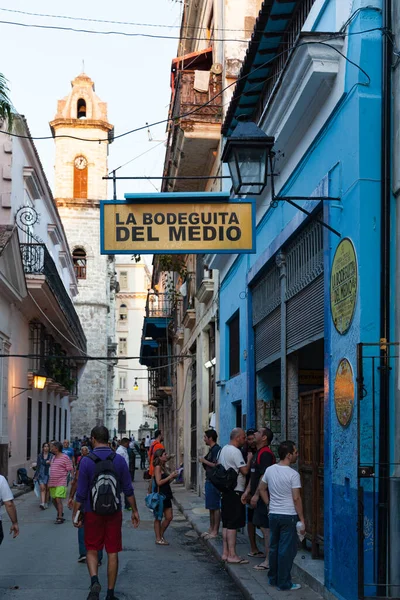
x=102 y=476
x=233 y=512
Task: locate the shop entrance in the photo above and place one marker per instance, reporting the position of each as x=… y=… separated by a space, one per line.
x=311 y=442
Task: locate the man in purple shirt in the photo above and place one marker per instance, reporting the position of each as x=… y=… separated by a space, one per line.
x=102 y=530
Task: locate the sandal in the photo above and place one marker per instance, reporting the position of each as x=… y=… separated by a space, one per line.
x=258 y=554
x=59 y=521
x=162 y=543
x=261 y=568
x=242 y=561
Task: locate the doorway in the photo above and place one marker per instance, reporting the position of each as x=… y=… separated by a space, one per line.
x=311 y=465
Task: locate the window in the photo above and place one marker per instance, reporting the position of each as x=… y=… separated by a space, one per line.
x=80 y=177
x=54 y=422
x=39 y=426
x=123 y=280
x=65 y=423
x=81 y=109
x=79 y=260
x=122 y=347
x=29 y=429
x=122 y=381
x=123 y=312
x=234 y=346
x=59 y=424
x=48 y=423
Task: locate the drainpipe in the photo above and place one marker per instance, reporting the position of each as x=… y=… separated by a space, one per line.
x=384 y=432
x=281 y=264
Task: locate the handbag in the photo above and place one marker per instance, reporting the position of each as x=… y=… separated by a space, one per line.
x=155 y=502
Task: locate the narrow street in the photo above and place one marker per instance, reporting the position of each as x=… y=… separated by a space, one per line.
x=42 y=561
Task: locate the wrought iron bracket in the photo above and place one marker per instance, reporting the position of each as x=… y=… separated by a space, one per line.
x=19 y=393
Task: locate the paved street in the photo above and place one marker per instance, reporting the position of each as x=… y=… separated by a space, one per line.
x=42 y=562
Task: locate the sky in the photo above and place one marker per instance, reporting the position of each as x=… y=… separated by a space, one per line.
x=131 y=74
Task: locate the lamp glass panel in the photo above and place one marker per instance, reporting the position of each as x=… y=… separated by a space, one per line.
x=39 y=382
x=233 y=169
x=252 y=161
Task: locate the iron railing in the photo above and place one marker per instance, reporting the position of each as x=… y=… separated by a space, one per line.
x=159 y=305
x=159 y=378
x=37 y=261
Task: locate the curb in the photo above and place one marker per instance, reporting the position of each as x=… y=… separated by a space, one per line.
x=232 y=572
x=17 y=492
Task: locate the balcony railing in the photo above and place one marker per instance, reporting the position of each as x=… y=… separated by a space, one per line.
x=37 y=261
x=159 y=305
x=188 y=99
x=159 y=379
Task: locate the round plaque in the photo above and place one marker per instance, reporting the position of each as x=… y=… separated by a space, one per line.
x=344 y=392
x=344 y=283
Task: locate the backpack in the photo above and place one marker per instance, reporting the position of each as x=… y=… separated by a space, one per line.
x=223 y=479
x=105 y=486
x=265 y=449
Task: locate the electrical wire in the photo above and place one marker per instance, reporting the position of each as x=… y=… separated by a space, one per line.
x=136 y=157
x=32 y=14
x=200 y=107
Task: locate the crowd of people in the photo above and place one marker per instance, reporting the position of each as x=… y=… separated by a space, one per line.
x=262 y=493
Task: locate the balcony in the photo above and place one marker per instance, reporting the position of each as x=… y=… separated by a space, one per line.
x=159 y=313
x=48 y=294
x=159 y=385
x=193 y=139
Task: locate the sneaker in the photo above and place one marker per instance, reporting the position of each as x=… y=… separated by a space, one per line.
x=295 y=586
x=82 y=558
x=95 y=590
x=42 y=506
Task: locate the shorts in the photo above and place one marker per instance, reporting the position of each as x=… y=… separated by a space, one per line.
x=213 y=497
x=260 y=515
x=58 y=492
x=233 y=512
x=103 y=531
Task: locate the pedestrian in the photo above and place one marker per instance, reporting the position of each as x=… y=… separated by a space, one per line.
x=7 y=498
x=280 y=486
x=101 y=475
x=69 y=451
x=249 y=446
x=233 y=512
x=76 y=446
x=81 y=530
x=213 y=496
x=132 y=460
x=61 y=468
x=42 y=474
x=157 y=444
x=162 y=480
x=142 y=451
x=147 y=442
x=122 y=450
x=257 y=511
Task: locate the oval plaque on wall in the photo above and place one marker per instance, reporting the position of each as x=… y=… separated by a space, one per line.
x=344 y=392
x=344 y=283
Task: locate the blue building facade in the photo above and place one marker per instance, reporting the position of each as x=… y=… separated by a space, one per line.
x=299 y=307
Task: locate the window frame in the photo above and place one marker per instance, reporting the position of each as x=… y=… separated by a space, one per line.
x=123 y=312
x=122 y=343
x=234 y=345
x=123 y=276
x=80 y=269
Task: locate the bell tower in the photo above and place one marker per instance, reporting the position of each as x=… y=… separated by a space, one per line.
x=82 y=135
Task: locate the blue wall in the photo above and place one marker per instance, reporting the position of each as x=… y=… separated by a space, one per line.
x=347 y=149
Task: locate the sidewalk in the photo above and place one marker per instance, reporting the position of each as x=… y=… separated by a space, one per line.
x=253 y=584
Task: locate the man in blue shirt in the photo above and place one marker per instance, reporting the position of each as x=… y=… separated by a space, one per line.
x=69 y=451
x=102 y=530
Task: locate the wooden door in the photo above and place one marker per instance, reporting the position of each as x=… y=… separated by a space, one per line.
x=311 y=465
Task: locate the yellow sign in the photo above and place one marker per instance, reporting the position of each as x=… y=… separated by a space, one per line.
x=344 y=392
x=177 y=227
x=344 y=282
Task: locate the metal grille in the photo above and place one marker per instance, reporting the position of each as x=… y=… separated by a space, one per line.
x=266 y=295
x=305 y=315
x=304 y=259
x=268 y=338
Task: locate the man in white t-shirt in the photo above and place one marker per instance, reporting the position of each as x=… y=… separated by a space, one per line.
x=280 y=486
x=233 y=512
x=7 y=498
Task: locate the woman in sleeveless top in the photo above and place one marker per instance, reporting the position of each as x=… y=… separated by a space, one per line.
x=42 y=474
x=162 y=481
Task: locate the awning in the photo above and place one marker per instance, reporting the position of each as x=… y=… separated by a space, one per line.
x=266 y=43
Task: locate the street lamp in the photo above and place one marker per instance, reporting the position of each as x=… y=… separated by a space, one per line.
x=39 y=379
x=247 y=152
x=121 y=404
x=135 y=385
